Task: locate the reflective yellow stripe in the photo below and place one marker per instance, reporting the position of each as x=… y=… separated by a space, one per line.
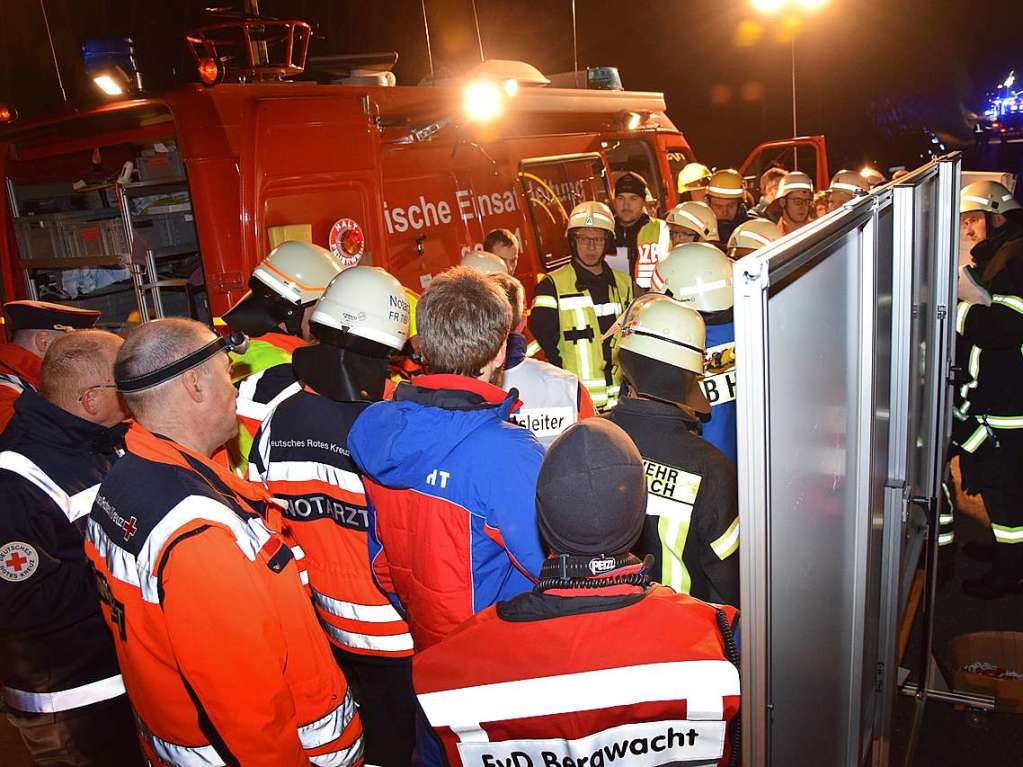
x=673 y=532
x=961 y=311
x=1004 y=421
x=532 y=349
x=728 y=542
x=1004 y=534
x=218 y=322
x=1012 y=302
x=975 y=440
x=545 y=302
x=946 y=538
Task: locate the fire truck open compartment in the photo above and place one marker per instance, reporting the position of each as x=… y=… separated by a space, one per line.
x=101 y=212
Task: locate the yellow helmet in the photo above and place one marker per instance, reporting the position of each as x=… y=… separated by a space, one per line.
x=591 y=214
x=726 y=184
x=795 y=181
x=848 y=181
x=753 y=235
x=987 y=196
x=696 y=217
x=692 y=177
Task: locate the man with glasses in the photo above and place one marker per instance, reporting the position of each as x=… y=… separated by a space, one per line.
x=31 y=327
x=578 y=303
x=58 y=667
x=794 y=201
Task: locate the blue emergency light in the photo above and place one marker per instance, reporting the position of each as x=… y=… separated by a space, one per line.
x=110 y=62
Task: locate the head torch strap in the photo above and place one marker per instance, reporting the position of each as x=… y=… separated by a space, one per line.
x=186 y=363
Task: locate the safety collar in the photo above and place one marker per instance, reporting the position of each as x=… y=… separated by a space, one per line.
x=236 y=342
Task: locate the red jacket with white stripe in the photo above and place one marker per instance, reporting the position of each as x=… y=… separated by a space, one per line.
x=618 y=676
x=300 y=453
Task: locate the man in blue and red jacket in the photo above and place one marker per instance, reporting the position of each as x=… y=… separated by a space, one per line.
x=449 y=479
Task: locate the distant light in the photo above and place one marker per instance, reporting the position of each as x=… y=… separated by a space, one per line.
x=483 y=101
x=769 y=6
x=811 y=5
x=511 y=87
x=1010 y=80
x=108 y=85
x=210 y=72
x=634 y=120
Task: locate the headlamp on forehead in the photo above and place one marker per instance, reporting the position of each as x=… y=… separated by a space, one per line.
x=236 y=342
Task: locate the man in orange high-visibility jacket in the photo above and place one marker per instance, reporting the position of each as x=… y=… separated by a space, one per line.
x=300 y=453
x=219 y=648
x=595 y=661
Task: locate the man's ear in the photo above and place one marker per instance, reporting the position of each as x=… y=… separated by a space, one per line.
x=193 y=383
x=498 y=361
x=88 y=402
x=998 y=220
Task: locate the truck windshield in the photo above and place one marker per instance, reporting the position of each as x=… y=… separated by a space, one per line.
x=553 y=186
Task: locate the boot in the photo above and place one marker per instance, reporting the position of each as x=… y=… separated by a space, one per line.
x=993 y=585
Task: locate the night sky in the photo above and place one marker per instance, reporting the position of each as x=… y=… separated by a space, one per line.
x=864 y=67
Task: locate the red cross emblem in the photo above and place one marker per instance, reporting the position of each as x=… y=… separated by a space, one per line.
x=129 y=528
x=16 y=562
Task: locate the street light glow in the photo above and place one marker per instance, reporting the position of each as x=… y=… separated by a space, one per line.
x=811 y=5
x=769 y=7
x=108 y=85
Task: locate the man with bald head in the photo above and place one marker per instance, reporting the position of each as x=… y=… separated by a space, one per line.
x=57 y=662
x=221 y=653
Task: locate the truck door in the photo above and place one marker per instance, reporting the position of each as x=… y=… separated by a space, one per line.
x=551 y=187
x=806 y=153
x=307 y=163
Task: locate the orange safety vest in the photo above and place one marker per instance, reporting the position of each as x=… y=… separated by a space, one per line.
x=18 y=368
x=301 y=454
x=220 y=651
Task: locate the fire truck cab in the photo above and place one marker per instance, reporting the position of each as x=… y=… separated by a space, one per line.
x=146 y=207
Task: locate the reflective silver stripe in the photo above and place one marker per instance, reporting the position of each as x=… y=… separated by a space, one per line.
x=757 y=238
x=702 y=287
x=703 y=683
x=975 y=440
x=328 y=728
x=12 y=382
x=946 y=538
x=1012 y=302
x=799 y=185
x=64 y=700
x=342 y=758
x=74 y=506
x=1004 y=421
x=721 y=191
x=612 y=309
x=728 y=542
x=249 y=408
x=121 y=564
x=381 y=643
x=546 y=302
x=1004 y=534
x=698 y=226
x=975 y=198
x=575 y=302
x=356 y=612
x=177 y=755
x=305 y=471
x=847 y=187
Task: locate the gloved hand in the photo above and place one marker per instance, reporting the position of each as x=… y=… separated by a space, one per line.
x=971 y=288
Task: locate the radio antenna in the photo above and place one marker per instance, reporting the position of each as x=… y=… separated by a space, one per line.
x=53 y=51
x=426 y=29
x=575 y=48
x=479 y=37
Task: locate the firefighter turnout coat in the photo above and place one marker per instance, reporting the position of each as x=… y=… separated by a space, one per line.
x=692 y=522
x=613 y=677
x=221 y=653
x=572 y=310
x=301 y=454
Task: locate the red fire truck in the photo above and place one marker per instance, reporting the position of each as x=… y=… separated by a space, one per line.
x=151 y=206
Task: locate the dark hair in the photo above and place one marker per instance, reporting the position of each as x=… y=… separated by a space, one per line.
x=463 y=321
x=503 y=237
x=515 y=294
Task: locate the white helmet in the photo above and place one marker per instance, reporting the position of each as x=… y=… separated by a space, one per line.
x=484 y=262
x=989 y=196
x=848 y=181
x=665 y=333
x=697 y=275
x=794 y=181
x=368 y=302
x=753 y=235
x=294 y=275
x=696 y=217
x=591 y=214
